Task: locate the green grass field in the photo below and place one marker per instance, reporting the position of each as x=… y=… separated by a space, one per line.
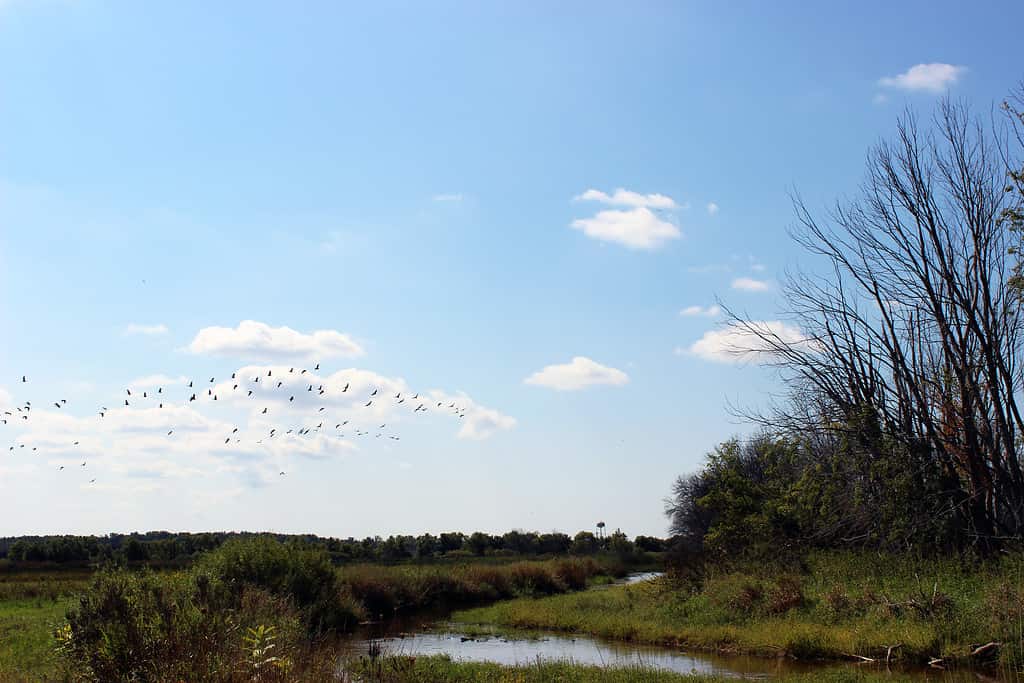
x=26 y=637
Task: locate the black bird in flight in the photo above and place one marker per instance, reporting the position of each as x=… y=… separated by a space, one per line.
x=346 y=388
x=317 y=367
x=368 y=403
x=374 y=393
x=264 y=411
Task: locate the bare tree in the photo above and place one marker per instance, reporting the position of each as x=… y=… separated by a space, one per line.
x=912 y=340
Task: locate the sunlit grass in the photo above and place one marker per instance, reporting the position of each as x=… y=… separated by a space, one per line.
x=839 y=605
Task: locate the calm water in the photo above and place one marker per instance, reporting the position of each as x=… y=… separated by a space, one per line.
x=433 y=635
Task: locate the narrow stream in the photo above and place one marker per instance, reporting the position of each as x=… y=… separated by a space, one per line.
x=427 y=635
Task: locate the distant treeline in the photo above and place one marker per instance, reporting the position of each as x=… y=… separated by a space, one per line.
x=179 y=548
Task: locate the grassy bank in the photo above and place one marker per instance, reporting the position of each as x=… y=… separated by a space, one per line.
x=834 y=606
x=440 y=669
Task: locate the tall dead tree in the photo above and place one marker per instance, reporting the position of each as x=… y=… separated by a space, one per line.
x=911 y=345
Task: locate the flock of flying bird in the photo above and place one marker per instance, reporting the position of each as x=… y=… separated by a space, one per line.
x=250 y=386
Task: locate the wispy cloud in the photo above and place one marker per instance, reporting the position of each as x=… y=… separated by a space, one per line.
x=709 y=268
x=749 y=284
x=712 y=208
x=260 y=341
x=934 y=77
x=705 y=311
x=579 y=373
x=149 y=330
x=449 y=197
x=623 y=197
x=735 y=343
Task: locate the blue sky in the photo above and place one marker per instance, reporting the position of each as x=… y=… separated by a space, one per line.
x=190 y=189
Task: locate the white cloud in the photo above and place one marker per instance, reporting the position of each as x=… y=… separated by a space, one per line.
x=623 y=197
x=579 y=373
x=934 y=77
x=227 y=442
x=712 y=208
x=299 y=396
x=709 y=311
x=880 y=98
x=259 y=341
x=735 y=343
x=637 y=228
x=749 y=284
x=149 y=330
x=451 y=197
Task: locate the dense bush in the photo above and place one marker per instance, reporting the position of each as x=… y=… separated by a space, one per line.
x=303 y=575
x=200 y=624
x=147 y=627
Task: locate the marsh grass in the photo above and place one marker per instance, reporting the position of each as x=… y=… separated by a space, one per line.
x=835 y=606
x=205 y=623
x=384 y=591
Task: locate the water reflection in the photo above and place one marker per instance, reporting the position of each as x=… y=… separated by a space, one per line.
x=425 y=635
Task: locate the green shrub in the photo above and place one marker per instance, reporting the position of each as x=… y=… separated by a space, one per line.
x=142 y=626
x=305 y=576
